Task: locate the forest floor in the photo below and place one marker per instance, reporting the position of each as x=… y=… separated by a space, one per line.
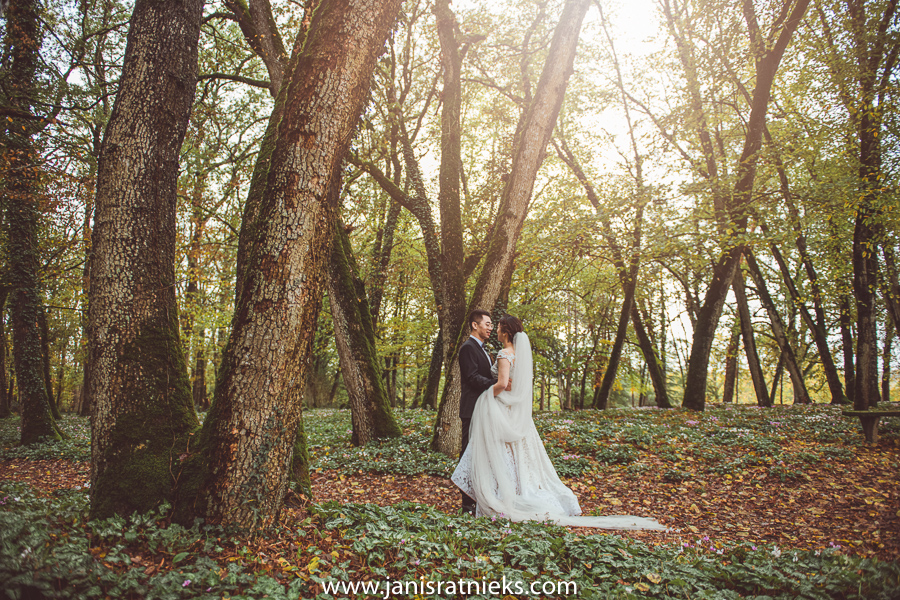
x=732 y=479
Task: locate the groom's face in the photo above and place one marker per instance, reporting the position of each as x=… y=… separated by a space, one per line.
x=482 y=329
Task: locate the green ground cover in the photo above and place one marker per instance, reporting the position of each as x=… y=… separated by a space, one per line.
x=47 y=549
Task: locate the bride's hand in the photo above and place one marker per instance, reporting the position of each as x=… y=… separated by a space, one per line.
x=509 y=386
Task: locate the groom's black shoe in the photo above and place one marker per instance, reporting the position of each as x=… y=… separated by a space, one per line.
x=467 y=509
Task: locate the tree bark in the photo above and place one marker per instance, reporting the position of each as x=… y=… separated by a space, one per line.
x=533 y=134
x=746 y=324
x=615 y=353
x=142 y=410
x=4 y=399
x=22 y=44
x=731 y=365
x=248 y=437
x=45 y=362
x=779 y=332
x=769 y=54
x=846 y=321
x=891 y=288
x=817 y=326
x=370 y=408
x=886 y=365
x=257 y=23
x=656 y=369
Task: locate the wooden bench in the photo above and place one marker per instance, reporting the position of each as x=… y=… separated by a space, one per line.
x=869 y=419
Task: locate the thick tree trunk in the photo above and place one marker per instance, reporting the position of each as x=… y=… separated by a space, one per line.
x=452 y=257
x=370 y=408
x=142 y=410
x=779 y=332
x=22 y=202
x=532 y=136
x=731 y=365
x=747 y=334
x=249 y=436
x=769 y=54
x=705 y=327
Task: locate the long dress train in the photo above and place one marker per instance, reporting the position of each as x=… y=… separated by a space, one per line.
x=505 y=466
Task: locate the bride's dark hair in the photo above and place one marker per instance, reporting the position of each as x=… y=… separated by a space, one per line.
x=511 y=326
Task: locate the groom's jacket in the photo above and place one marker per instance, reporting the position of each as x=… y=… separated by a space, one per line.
x=475 y=369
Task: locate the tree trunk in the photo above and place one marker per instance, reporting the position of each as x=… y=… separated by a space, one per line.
x=370 y=408
x=817 y=326
x=768 y=58
x=142 y=410
x=846 y=320
x=198 y=377
x=891 y=288
x=615 y=353
x=4 y=399
x=655 y=368
x=886 y=365
x=776 y=379
x=45 y=363
x=731 y=365
x=22 y=44
x=435 y=368
x=249 y=436
x=533 y=134
x=756 y=373
x=779 y=332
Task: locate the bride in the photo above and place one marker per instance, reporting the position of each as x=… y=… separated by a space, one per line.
x=505 y=466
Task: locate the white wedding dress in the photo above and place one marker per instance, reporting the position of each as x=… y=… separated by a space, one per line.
x=505 y=467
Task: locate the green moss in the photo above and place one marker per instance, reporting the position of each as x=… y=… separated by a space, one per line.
x=154 y=426
x=350 y=293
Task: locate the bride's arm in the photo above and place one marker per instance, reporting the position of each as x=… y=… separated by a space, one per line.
x=502 y=374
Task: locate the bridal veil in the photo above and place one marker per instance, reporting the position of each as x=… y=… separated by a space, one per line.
x=506 y=468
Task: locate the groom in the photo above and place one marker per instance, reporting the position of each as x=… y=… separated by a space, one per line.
x=475 y=371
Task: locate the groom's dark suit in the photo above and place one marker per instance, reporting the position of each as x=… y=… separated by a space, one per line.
x=475 y=371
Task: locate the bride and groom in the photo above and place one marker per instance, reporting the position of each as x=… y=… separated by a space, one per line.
x=504 y=469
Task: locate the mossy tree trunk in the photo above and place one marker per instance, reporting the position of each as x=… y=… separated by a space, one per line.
x=532 y=135
x=142 y=410
x=20 y=186
x=370 y=408
x=248 y=439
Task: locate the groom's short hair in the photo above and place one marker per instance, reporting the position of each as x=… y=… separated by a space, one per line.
x=476 y=316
